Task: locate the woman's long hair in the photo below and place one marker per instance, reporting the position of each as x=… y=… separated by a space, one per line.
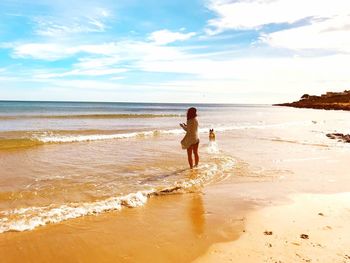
x=191 y=113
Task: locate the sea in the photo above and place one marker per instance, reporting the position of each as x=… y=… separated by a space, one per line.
x=64 y=160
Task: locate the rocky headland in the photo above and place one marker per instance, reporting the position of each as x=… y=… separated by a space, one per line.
x=328 y=101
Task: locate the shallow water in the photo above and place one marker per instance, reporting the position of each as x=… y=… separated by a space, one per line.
x=66 y=160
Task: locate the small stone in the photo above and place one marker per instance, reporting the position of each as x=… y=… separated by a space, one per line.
x=304 y=236
x=268 y=233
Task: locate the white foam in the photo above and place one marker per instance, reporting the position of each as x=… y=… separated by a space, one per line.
x=30 y=218
x=212 y=147
x=218 y=170
x=81 y=138
x=23 y=219
x=52 y=138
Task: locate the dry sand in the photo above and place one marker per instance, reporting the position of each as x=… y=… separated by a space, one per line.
x=313 y=228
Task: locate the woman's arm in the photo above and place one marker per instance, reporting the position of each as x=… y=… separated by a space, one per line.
x=183 y=126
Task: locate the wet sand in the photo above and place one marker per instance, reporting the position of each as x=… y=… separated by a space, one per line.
x=170 y=228
x=222 y=222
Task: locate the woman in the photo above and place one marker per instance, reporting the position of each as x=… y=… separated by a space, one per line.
x=191 y=140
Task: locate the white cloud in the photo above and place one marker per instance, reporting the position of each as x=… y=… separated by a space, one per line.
x=42 y=51
x=243 y=14
x=332 y=34
x=89 y=63
x=52 y=29
x=326 y=23
x=245 y=80
x=90 y=67
x=281 y=78
x=86 y=72
x=163 y=37
x=127 y=50
x=87 y=84
x=53 y=51
x=57 y=26
x=287 y=68
x=285 y=77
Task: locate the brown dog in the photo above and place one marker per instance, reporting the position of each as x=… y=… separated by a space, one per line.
x=211 y=135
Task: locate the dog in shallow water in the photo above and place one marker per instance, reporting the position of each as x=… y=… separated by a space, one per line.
x=211 y=135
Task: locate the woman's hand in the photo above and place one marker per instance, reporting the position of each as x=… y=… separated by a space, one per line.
x=183 y=126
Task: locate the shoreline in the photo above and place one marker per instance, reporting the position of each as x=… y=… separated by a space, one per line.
x=217 y=224
x=316 y=106
x=156 y=232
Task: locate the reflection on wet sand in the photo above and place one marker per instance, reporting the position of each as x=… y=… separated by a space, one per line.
x=196 y=208
x=197 y=214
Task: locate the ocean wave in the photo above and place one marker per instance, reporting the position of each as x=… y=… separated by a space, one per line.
x=95 y=137
x=91 y=116
x=29 y=218
x=53 y=137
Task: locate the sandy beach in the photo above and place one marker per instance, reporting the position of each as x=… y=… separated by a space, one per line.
x=312 y=228
x=285 y=201
x=215 y=225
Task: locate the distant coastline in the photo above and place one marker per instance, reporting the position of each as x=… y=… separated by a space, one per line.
x=328 y=101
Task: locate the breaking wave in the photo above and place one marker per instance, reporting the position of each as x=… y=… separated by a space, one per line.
x=29 y=218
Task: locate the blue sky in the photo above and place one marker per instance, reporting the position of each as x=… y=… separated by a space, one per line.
x=218 y=51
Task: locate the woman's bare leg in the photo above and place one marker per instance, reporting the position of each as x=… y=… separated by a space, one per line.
x=189 y=156
x=196 y=156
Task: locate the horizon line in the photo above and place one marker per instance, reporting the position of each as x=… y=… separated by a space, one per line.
x=135 y=102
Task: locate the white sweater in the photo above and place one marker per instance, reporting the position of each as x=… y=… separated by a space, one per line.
x=191 y=136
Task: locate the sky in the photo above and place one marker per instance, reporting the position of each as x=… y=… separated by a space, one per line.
x=207 y=51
